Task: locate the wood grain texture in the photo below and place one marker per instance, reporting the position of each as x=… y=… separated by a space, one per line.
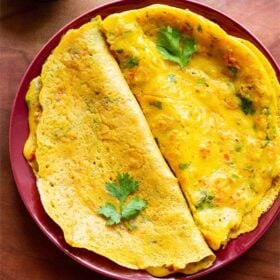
x=25 y=253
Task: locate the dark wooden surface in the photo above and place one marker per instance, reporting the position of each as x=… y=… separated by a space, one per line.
x=25 y=253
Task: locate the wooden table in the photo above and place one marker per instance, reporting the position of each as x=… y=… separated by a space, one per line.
x=26 y=254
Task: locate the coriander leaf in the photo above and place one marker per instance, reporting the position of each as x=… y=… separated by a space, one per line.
x=189 y=47
x=132 y=209
x=233 y=70
x=235 y=176
x=168 y=41
x=131 y=62
x=109 y=211
x=156 y=104
x=174 y=47
x=114 y=190
x=121 y=189
x=246 y=105
x=127 y=185
x=184 y=165
x=205 y=202
x=238 y=148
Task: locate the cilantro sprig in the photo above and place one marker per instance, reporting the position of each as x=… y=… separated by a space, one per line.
x=173 y=46
x=246 y=105
x=206 y=201
x=131 y=62
x=124 y=186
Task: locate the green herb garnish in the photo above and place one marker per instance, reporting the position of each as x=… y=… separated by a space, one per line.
x=131 y=62
x=246 y=105
x=234 y=176
x=183 y=166
x=121 y=189
x=156 y=104
x=109 y=211
x=175 y=47
x=238 y=148
x=252 y=187
x=233 y=70
x=206 y=201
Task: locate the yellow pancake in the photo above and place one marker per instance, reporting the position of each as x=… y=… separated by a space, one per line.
x=215 y=119
x=91 y=129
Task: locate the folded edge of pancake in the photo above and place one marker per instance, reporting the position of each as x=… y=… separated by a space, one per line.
x=91 y=128
x=269 y=69
x=250 y=220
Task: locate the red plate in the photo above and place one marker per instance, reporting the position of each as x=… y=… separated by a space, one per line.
x=25 y=179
